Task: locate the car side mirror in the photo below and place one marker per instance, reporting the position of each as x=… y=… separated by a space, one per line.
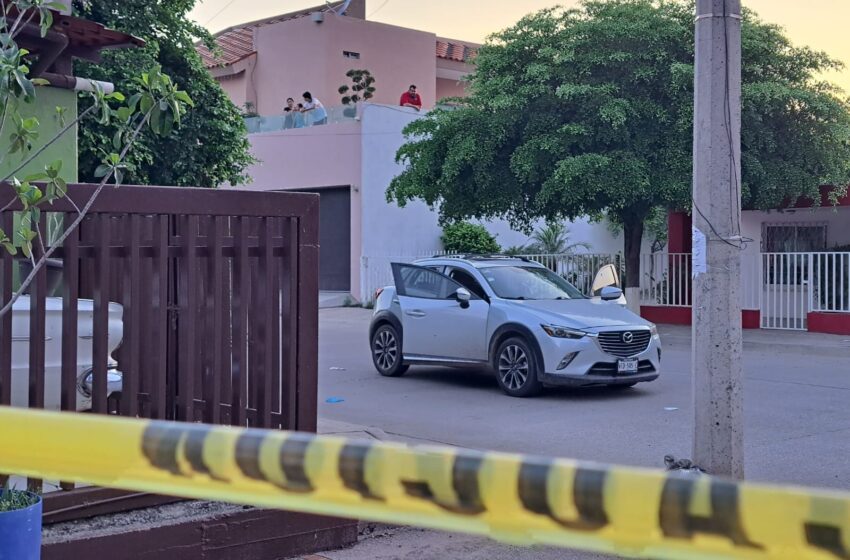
x=463 y=296
x=611 y=293
x=606 y=276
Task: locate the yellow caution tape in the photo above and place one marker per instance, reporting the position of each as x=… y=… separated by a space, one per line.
x=517 y=499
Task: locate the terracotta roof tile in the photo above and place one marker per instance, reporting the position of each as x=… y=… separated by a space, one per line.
x=455 y=51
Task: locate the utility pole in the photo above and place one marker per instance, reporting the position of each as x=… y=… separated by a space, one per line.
x=716 y=364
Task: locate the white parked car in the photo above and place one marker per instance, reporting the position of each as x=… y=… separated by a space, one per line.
x=53 y=351
x=532 y=327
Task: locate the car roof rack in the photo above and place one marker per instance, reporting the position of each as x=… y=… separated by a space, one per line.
x=481 y=257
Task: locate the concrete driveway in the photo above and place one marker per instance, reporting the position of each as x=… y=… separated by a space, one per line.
x=797 y=421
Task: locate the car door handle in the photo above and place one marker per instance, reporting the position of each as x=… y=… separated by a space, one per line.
x=415 y=313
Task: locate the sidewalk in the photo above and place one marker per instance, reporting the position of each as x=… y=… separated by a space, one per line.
x=771 y=340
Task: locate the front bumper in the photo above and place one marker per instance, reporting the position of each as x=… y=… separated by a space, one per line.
x=591 y=365
x=592 y=379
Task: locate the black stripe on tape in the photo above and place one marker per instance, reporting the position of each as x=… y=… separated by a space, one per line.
x=194 y=446
x=293 y=457
x=466 y=471
x=588 y=495
x=352 y=469
x=827 y=538
x=160 y=444
x=676 y=521
x=248 y=454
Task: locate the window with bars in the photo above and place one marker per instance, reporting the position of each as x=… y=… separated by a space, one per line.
x=805 y=237
x=790 y=237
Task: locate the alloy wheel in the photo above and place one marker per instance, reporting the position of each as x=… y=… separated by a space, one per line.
x=386 y=350
x=513 y=367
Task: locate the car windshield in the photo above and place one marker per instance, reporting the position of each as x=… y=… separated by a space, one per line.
x=528 y=282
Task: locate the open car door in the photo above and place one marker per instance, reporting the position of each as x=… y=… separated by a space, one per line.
x=441 y=319
x=606 y=285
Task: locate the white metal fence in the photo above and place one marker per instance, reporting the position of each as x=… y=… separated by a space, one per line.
x=786 y=294
x=579 y=269
x=665 y=279
x=831 y=282
x=783 y=287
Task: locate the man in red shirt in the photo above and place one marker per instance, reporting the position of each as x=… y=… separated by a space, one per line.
x=411 y=99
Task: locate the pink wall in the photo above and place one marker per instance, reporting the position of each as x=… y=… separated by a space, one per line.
x=236 y=88
x=305 y=158
x=449 y=88
x=314 y=158
x=298 y=55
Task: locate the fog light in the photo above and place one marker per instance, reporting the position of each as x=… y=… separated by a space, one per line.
x=659 y=354
x=568 y=359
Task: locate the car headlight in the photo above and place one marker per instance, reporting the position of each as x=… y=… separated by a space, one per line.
x=563 y=332
x=653 y=329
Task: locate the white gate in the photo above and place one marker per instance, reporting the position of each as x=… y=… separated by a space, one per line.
x=786 y=290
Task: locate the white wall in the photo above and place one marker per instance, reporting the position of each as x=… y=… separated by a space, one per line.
x=388 y=230
x=837 y=220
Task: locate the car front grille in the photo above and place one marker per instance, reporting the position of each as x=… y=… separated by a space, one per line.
x=606 y=368
x=624 y=343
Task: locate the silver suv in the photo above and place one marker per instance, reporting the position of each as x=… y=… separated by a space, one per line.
x=526 y=322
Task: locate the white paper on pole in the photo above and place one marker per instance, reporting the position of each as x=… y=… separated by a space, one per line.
x=698 y=257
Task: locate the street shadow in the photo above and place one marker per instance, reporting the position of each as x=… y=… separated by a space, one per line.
x=485 y=380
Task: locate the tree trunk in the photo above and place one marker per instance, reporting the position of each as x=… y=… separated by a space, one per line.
x=633 y=235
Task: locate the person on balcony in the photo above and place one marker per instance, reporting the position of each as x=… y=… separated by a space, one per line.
x=411 y=99
x=314 y=108
x=292 y=115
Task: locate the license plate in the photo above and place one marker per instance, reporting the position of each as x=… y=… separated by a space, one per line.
x=627 y=365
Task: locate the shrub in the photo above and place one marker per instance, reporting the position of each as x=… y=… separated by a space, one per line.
x=463 y=237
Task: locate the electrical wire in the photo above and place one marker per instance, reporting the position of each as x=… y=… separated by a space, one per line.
x=735 y=198
x=218 y=13
x=378 y=9
x=734 y=184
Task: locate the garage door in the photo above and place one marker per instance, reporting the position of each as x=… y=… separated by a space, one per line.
x=334 y=239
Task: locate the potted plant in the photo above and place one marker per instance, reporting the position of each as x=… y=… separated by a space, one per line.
x=361 y=89
x=20 y=525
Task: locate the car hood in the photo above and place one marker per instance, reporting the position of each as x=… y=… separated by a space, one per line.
x=581 y=313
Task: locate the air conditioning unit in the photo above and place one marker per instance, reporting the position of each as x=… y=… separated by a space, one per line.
x=317 y=17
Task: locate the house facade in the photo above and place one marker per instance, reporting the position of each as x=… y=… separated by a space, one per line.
x=351 y=160
x=260 y=64
x=795 y=268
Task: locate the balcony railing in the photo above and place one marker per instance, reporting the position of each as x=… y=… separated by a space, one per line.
x=335 y=115
x=286 y=121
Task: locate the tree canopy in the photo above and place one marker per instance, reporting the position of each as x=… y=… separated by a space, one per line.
x=211 y=145
x=588 y=111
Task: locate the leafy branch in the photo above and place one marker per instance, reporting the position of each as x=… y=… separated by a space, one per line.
x=159 y=106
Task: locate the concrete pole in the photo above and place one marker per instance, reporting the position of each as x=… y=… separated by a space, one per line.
x=718 y=429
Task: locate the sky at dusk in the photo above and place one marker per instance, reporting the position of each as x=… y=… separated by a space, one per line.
x=819 y=24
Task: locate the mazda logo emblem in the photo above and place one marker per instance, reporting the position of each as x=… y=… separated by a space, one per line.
x=628 y=337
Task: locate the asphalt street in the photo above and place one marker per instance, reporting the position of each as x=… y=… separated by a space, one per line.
x=797 y=420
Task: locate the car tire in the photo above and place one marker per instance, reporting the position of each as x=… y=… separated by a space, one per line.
x=386 y=351
x=516 y=368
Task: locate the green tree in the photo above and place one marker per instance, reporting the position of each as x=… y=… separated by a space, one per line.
x=588 y=111
x=463 y=237
x=211 y=146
